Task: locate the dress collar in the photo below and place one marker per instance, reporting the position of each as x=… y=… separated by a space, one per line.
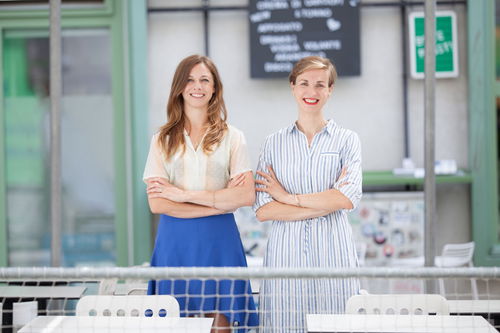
x=330 y=126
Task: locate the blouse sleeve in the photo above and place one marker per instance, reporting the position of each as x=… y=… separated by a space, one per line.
x=239 y=160
x=154 y=164
x=263 y=198
x=351 y=157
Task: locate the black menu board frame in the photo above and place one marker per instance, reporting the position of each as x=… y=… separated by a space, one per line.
x=284 y=31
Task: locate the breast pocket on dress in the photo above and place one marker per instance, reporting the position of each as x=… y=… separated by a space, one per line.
x=330 y=165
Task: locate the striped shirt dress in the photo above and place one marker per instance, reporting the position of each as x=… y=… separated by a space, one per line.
x=317 y=242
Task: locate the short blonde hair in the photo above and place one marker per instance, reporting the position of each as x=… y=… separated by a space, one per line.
x=313 y=62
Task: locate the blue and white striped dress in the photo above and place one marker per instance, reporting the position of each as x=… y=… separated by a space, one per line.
x=318 y=242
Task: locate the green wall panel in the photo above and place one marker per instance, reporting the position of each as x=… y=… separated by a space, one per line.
x=483 y=131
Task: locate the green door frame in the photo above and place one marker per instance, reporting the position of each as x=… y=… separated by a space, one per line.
x=483 y=132
x=129 y=94
x=137 y=35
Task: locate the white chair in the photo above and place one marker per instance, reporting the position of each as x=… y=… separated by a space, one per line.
x=23 y=313
x=128 y=306
x=414 y=304
x=456 y=255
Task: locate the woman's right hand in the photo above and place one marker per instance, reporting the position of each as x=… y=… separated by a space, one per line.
x=160 y=188
x=273 y=187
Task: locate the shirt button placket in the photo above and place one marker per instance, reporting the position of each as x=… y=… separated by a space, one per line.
x=307 y=231
x=307 y=236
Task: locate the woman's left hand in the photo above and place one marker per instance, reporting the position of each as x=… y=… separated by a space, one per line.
x=236 y=181
x=161 y=188
x=271 y=185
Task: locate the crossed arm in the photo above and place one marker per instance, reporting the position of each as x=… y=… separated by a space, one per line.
x=165 y=198
x=290 y=207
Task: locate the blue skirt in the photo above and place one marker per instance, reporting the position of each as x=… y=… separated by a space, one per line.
x=212 y=241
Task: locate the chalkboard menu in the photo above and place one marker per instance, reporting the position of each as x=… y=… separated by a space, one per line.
x=282 y=32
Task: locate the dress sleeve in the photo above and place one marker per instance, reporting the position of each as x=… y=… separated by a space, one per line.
x=155 y=163
x=263 y=198
x=351 y=160
x=239 y=160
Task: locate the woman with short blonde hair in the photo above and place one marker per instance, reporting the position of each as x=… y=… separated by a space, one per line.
x=309 y=63
x=309 y=176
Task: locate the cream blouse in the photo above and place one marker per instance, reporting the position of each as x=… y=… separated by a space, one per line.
x=195 y=170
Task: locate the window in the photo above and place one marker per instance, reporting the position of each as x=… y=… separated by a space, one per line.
x=88 y=177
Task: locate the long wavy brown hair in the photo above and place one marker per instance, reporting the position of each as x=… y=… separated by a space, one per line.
x=171 y=136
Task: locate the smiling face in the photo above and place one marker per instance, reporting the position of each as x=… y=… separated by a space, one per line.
x=199 y=88
x=311 y=90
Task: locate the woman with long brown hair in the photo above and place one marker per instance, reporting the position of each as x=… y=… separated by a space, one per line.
x=198 y=172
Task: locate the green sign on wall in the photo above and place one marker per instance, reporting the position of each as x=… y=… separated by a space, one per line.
x=446 y=44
